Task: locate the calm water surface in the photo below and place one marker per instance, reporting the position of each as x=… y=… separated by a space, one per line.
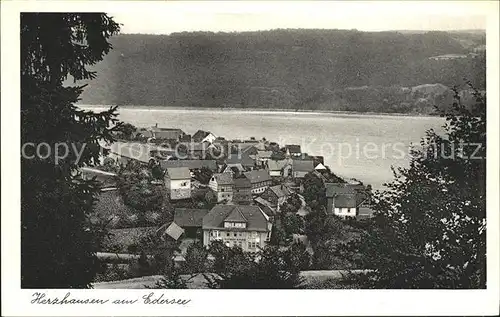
x=354 y=146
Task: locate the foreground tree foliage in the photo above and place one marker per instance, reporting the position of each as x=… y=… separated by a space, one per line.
x=58 y=244
x=430 y=225
x=270 y=268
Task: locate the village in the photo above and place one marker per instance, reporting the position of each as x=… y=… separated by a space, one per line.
x=163 y=186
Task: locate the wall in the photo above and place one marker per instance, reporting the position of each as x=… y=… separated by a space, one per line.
x=242 y=195
x=274 y=173
x=258 y=188
x=244 y=237
x=179 y=188
x=345 y=212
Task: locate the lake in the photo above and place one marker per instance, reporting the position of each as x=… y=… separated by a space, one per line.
x=357 y=146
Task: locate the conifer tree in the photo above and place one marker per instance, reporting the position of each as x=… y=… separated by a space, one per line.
x=58 y=244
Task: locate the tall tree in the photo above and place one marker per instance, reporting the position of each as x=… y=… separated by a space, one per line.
x=138 y=190
x=314 y=192
x=57 y=243
x=430 y=225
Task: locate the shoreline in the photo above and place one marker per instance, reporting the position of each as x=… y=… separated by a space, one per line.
x=263 y=110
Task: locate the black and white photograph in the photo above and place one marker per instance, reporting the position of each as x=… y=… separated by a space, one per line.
x=326 y=145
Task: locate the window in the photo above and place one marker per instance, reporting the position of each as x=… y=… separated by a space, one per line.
x=228 y=234
x=235 y=234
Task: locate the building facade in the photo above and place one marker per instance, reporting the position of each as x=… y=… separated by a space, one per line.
x=222 y=184
x=244 y=226
x=242 y=191
x=259 y=179
x=178 y=183
x=344 y=200
x=276 y=195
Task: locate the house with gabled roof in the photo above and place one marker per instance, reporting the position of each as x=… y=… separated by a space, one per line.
x=293 y=150
x=260 y=180
x=276 y=167
x=166 y=133
x=266 y=207
x=242 y=158
x=235 y=169
x=346 y=200
x=203 y=136
x=222 y=184
x=276 y=195
x=300 y=168
x=178 y=182
x=245 y=226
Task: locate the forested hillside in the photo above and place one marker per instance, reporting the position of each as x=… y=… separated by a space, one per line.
x=296 y=69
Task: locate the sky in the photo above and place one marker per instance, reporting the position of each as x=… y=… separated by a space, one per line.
x=169 y=17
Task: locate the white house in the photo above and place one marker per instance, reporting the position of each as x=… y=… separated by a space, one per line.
x=344 y=199
x=245 y=226
x=178 y=182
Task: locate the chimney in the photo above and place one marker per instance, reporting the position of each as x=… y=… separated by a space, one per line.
x=156 y=125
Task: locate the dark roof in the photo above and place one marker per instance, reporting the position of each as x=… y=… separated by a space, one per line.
x=280 y=190
x=191 y=164
x=244 y=159
x=346 y=195
x=167 y=133
x=345 y=201
x=293 y=148
x=223 y=178
x=236 y=216
x=265 y=206
x=178 y=173
x=236 y=166
x=165 y=129
x=200 y=135
x=136 y=151
x=302 y=166
x=188 y=217
x=275 y=165
x=333 y=189
x=242 y=182
x=251 y=150
x=194 y=146
x=257 y=176
x=256 y=219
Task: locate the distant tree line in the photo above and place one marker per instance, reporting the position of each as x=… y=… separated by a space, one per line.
x=298 y=69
